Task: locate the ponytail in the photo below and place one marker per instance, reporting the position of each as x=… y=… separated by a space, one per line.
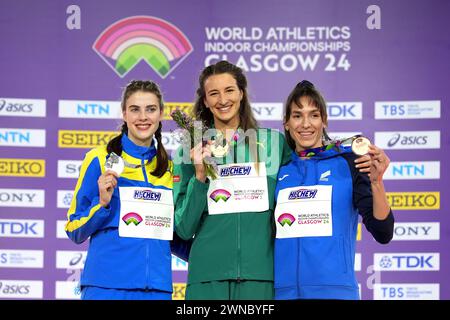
x=162 y=159
x=115 y=144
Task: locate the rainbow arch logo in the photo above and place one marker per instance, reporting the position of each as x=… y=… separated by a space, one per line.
x=286 y=218
x=220 y=194
x=126 y=42
x=132 y=217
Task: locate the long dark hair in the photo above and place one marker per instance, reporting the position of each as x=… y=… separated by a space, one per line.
x=115 y=145
x=247 y=120
x=305 y=89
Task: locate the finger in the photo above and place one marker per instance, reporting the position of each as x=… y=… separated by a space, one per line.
x=207 y=153
x=363 y=158
x=110 y=172
x=365 y=169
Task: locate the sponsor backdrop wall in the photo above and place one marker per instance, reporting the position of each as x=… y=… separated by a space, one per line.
x=382 y=66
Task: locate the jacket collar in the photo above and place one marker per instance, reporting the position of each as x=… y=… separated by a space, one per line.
x=140 y=152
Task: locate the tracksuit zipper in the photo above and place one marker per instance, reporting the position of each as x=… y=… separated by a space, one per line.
x=147 y=254
x=238 y=230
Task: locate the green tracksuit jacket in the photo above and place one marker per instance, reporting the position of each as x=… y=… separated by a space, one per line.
x=229 y=246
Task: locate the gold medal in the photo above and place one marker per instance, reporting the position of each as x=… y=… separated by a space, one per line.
x=360 y=145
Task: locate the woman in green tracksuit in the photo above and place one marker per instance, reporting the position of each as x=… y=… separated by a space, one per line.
x=231 y=217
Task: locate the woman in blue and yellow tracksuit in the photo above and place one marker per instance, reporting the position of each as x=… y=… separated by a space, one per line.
x=124 y=267
x=319 y=195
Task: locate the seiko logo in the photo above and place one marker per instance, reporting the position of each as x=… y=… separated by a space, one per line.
x=186 y=107
x=414 y=200
x=84 y=139
x=22 y=167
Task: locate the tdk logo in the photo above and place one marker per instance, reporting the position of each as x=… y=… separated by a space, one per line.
x=406 y=262
x=303 y=194
x=235 y=171
x=147 y=195
x=344 y=110
x=21 y=228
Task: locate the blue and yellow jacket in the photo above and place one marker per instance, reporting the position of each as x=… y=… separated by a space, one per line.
x=113 y=261
x=323 y=267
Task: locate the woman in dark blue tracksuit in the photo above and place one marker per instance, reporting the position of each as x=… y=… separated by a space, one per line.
x=319 y=194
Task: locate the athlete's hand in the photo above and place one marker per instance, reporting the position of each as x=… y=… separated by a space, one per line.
x=198 y=155
x=106 y=184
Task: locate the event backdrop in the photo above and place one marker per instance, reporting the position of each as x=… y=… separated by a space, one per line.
x=382 y=66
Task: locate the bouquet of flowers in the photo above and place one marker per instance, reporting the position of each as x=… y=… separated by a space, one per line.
x=190 y=126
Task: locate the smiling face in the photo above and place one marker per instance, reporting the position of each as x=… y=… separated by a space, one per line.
x=223 y=98
x=142 y=114
x=305 y=125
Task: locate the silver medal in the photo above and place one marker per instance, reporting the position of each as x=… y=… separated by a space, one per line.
x=115 y=163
